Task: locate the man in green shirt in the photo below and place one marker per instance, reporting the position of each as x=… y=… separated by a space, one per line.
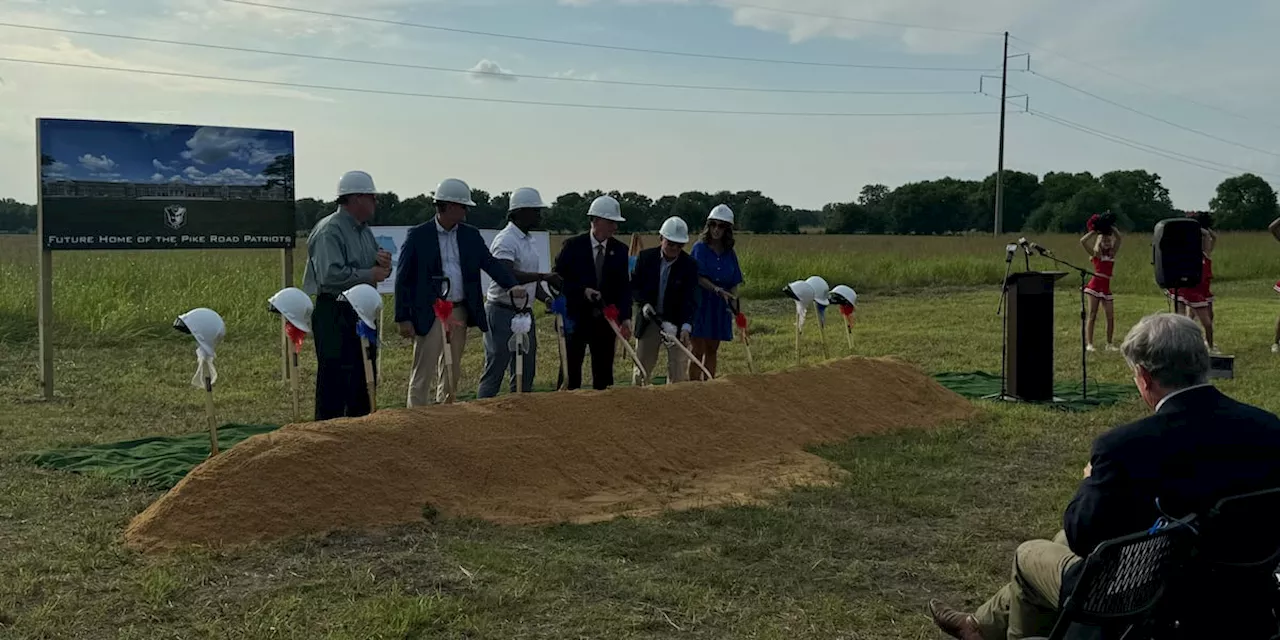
x=342 y=253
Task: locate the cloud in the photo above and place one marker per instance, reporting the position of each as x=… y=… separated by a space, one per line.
x=228 y=176
x=160 y=166
x=489 y=70
x=813 y=19
x=577 y=75
x=56 y=170
x=156 y=177
x=210 y=145
x=97 y=163
x=233 y=176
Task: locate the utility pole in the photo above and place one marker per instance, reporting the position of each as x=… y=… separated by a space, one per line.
x=1004 y=86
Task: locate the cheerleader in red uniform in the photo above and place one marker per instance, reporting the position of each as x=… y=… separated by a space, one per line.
x=1102 y=242
x=1197 y=302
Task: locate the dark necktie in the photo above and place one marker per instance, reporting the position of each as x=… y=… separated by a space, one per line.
x=599 y=265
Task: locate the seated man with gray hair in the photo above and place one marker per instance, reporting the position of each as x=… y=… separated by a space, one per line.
x=1198 y=447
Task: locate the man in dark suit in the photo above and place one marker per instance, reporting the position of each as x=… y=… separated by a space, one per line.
x=1198 y=447
x=664 y=285
x=594 y=267
x=443 y=249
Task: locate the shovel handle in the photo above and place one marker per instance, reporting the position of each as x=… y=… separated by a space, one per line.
x=208 y=411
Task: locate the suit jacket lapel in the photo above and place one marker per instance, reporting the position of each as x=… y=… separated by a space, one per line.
x=433 y=236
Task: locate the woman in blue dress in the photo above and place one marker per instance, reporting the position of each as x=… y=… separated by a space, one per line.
x=720 y=277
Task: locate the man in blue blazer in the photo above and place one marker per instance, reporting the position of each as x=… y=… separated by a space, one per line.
x=442 y=258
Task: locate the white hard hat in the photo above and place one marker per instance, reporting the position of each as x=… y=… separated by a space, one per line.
x=722 y=213
x=800 y=291
x=454 y=190
x=526 y=198
x=606 y=207
x=366 y=301
x=820 y=290
x=844 y=294
x=205 y=325
x=294 y=305
x=675 y=230
x=353 y=182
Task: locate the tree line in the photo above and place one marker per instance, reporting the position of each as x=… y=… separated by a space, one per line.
x=1056 y=202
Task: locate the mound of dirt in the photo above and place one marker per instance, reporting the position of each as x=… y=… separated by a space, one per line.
x=550 y=457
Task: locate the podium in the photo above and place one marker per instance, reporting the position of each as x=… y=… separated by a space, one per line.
x=1029 y=334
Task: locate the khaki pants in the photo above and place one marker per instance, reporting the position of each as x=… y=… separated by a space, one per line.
x=428 y=360
x=1028 y=606
x=647 y=346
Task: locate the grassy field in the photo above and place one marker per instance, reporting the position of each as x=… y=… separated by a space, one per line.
x=924 y=514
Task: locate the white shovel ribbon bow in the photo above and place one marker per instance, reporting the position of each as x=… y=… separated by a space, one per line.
x=204 y=369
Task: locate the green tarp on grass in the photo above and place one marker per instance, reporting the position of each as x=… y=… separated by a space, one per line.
x=155 y=462
x=980 y=384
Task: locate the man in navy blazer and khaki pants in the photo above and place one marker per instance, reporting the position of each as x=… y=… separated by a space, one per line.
x=442 y=249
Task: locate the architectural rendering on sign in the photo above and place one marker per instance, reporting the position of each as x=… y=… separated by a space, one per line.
x=124 y=185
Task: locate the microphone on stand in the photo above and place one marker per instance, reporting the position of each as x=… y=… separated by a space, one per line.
x=1039 y=249
x=1022 y=242
x=1010 y=249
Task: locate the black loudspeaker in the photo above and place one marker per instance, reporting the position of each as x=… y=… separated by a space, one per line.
x=1176 y=253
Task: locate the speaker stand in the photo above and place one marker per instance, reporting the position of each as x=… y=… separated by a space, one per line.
x=1085 y=274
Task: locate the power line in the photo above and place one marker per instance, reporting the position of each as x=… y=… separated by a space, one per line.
x=1147 y=86
x=420 y=67
x=1202 y=163
x=685 y=54
x=888 y=23
x=1156 y=118
x=410 y=94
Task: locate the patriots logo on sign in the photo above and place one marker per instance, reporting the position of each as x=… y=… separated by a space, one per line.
x=175 y=216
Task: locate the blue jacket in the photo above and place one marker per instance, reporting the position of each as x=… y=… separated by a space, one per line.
x=420 y=268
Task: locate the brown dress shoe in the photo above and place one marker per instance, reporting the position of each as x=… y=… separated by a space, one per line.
x=956 y=624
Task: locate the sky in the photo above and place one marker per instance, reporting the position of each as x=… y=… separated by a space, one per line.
x=120 y=152
x=1192 y=80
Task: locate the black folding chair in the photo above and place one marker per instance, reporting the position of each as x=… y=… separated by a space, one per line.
x=1238 y=536
x=1122 y=582
x=1237 y=545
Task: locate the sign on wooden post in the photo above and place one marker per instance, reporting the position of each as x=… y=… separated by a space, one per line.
x=131 y=185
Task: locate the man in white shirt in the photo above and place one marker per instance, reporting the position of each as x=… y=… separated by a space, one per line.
x=514 y=247
x=441 y=260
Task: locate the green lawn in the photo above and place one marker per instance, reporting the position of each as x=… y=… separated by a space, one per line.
x=923 y=514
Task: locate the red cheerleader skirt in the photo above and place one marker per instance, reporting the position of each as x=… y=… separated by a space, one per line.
x=1201 y=295
x=1099 y=286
